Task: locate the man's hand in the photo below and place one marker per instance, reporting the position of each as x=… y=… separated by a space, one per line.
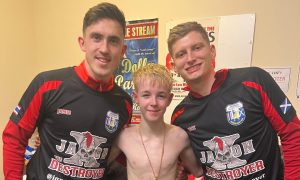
x=181 y=172
x=37 y=141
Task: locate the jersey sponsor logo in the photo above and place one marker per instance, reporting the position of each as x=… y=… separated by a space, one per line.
x=235 y=113
x=285 y=106
x=52 y=177
x=17 y=110
x=111 y=121
x=64 y=111
x=192 y=128
x=224 y=161
x=84 y=153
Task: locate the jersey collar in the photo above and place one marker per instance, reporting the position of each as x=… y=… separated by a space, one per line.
x=94 y=84
x=220 y=77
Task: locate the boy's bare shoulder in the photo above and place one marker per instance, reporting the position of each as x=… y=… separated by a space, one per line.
x=129 y=130
x=127 y=135
x=177 y=132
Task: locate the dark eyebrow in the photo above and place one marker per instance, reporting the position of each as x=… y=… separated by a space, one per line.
x=114 y=38
x=179 y=52
x=93 y=34
x=199 y=44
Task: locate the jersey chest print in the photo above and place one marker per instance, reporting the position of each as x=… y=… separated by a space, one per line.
x=86 y=156
x=83 y=153
x=225 y=154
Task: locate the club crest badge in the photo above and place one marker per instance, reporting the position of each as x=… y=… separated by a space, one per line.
x=235 y=113
x=111 y=121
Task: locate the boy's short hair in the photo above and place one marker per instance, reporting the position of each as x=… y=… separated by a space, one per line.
x=181 y=30
x=102 y=11
x=154 y=72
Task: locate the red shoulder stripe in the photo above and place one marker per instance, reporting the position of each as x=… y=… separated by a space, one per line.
x=31 y=114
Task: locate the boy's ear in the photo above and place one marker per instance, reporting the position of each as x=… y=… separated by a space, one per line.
x=170 y=98
x=135 y=97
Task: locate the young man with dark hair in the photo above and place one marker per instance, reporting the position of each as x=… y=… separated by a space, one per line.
x=79 y=111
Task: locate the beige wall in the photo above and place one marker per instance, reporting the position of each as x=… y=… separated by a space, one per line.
x=39 y=35
x=17 y=65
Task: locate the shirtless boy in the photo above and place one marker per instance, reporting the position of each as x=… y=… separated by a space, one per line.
x=152 y=148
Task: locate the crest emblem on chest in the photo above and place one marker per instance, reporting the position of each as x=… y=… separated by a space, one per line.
x=111 y=121
x=235 y=113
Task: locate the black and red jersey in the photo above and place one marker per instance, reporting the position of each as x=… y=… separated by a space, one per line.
x=77 y=124
x=233 y=130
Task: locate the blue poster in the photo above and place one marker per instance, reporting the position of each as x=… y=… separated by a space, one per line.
x=142 y=48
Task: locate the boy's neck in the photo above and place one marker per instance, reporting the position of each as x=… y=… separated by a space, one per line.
x=152 y=128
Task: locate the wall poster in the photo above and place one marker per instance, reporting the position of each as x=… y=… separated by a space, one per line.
x=142 y=48
x=281 y=76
